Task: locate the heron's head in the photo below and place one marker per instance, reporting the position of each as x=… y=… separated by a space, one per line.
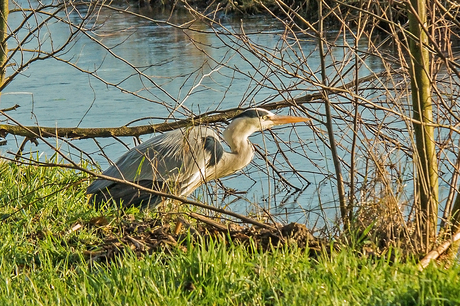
x=253 y=120
x=259 y=119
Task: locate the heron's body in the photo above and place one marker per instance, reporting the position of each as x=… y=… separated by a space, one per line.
x=179 y=161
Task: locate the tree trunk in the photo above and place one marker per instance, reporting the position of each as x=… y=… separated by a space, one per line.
x=3 y=30
x=425 y=153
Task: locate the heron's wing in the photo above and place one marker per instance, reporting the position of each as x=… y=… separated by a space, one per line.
x=180 y=156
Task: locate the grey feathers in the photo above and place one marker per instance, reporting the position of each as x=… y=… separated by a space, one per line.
x=215 y=149
x=177 y=159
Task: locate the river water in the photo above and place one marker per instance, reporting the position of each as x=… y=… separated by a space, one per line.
x=153 y=70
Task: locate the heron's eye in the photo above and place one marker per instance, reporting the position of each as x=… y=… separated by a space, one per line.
x=265 y=117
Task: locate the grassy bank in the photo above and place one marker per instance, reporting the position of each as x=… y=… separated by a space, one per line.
x=45 y=262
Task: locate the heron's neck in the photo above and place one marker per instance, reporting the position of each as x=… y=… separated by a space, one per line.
x=242 y=151
x=236 y=137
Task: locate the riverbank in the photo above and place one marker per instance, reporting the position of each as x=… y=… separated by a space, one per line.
x=55 y=251
x=394 y=10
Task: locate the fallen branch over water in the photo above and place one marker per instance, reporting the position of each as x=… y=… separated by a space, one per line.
x=203 y=119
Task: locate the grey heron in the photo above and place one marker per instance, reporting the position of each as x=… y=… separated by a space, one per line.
x=181 y=160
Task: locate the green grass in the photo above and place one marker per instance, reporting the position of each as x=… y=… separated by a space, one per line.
x=42 y=263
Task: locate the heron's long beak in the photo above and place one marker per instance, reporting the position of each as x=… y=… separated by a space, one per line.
x=277 y=120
